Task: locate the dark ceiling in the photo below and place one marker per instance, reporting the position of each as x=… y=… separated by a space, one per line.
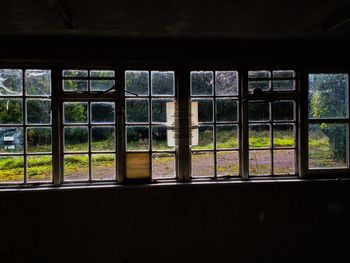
x=242 y=19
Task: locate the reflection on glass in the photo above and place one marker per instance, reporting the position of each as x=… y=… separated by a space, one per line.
x=205 y=110
x=11 y=111
x=283 y=110
x=137 y=138
x=159 y=138
x=137 y=82
x=226 y=136
x=11 y=140
x=280 y=85
x=163 y=83
x=39 y=168
x=38 y=111
x=136 y=110
x=226 y=83
x=11 y=169
x=163 y=165
x=259 y=136
x=75 y=112
x=102 y=112
x=77 y=85
x=38 y=140
x=283 y=162
x=259 y=162
x=203 y=164
x=76 y=139
x=11 y=82
x=205 y=141
x=101 y=85
x=38 y=82
x=103 y=139
x=76 y=167
x=259 y=84
x=259 y=111
x=201 y=83
x=283 y=135
x=226 y=110
x=159 y=114
x=227 y=163
x=328 y=145
x=103 y=166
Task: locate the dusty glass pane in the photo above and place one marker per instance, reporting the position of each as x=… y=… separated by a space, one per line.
x=328 y=145
x=11 y=140
x=283 y=135
x=11 y=169
x=226 y=110
x=280 y=85
x=159 y=114
x=259 y=136
x=205 y=140
x=76 y=167
x=38 y=82
x=137 y=82
x=205 y=110
x=11 y=82
x=38 y=111
x=75 y=112
x=284 y=162
x=226 y=136
x=159 y=138
x=77 y=85
x=11 y=111
x=260 y=84
x=259 y=162
x=201 y=83
x=103 y=139
x=136 y=110
x=259 y=111
x=163 y=165
x=39 y=168
x=138 y=165
x=101 y=85
x=137 y=138
x=226 y=83
x=163 y=83
x=38 y=140
x=328 y=96
x=102 y=112
x=103 y=166
x=76 y=139
x=227 y=163
x=203 y=164
x=283 y=110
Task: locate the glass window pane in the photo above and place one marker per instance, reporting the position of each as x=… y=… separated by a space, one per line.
x=138 y=165
x=103 y=166
x=328 y=145
x=39 y=140
x=159 y=114
x=203 y=164
x=11 y=169
x=38 y=82
x=205 y=110
x=76 y=167
x=137 y=138
x=136 y=110
x=102 y=112
x=283 y=110
x=11 y=111
x=38 y=111
x=162 y=83
x=159 y=138
x=11 y=82
x=259 y=136
x=76 y=139
x=11 y=140
x=75 y=112
x=259 y=111
x=284 y=162
x=137 y=82
x=163 y=165
x=259 y=162
x=226 y=110
x=283 y=135
x=328 y=96
x=226 y=83
x=103 y=139
x=259 y=84
x=226 y=136
x=77 y=85
x=227 y=163
x=101 y=85
x=201 y=83
x=280 y=85
x=39 y=168
x=205 y=140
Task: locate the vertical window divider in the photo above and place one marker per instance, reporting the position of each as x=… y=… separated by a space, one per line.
x=271 y=122
x=89 y=126
x=214 y=126
x=120 y=125
x=303 y=145
x=244 y=139
x=24 y=110
x=150 y=143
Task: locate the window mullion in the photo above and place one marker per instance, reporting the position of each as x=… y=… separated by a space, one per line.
x=244 y=140
x=303 y=147
x=120 y=109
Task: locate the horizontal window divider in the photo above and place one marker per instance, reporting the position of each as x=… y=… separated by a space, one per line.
x=89 y=78
x=87 y=96
x=227 y=149
x=312 y=121
x=323 y=171
x=272 y=79
x=235 y=97
x=203 y=150
x=109 y=152
x=261 y=148
x=283 y=148
x=38 y=154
